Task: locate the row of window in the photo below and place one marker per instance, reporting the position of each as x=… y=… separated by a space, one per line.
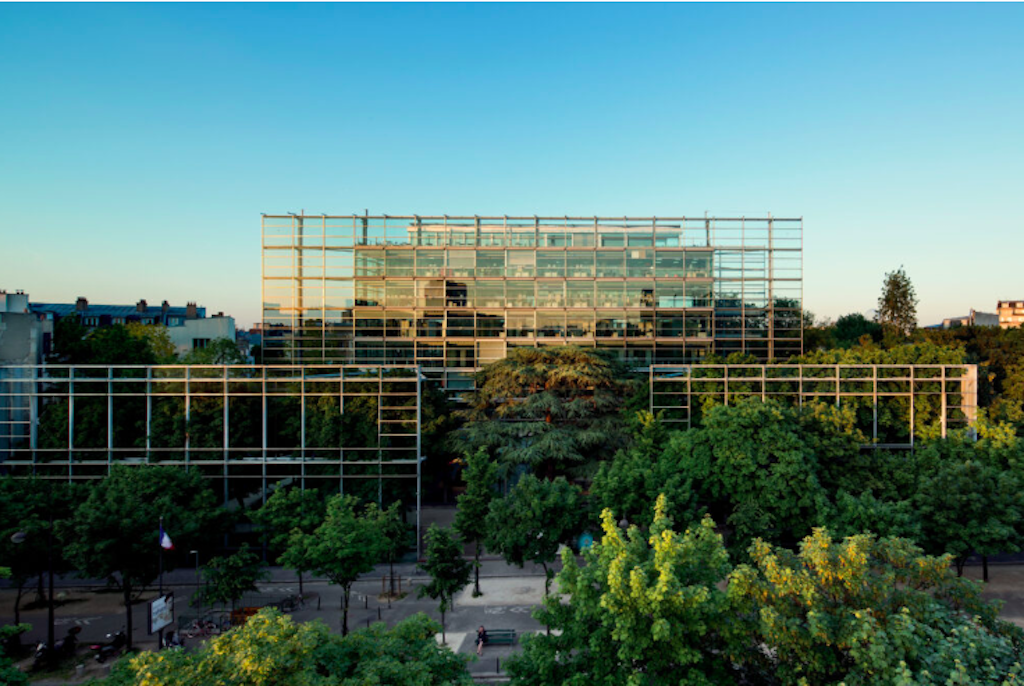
x=606 y=324
x=472 y=294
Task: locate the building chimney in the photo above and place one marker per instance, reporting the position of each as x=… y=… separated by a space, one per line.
x=81 y=305
x=164 y=306
x=141 y=306
x=191 y=312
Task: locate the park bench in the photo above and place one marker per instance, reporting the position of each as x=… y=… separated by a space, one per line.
x=498 y=637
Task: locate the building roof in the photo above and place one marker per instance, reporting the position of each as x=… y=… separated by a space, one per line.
x=126 y=311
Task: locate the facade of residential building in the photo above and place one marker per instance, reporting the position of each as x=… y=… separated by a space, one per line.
x=454 y=293
x=188 y=327
x=975 y=318
x=1011 y=313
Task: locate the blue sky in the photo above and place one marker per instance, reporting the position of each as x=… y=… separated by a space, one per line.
x=140 y=143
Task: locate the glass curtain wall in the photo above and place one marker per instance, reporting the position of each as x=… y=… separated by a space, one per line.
x=451 y=293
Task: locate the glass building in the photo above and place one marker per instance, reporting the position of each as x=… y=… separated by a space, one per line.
x=454 y=293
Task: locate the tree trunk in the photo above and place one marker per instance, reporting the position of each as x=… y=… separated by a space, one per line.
x=344 y=612
x=547 y=578
x=391 y=569
x=126 y=584
x=476 y=570
x=17 y=607
x=984 y=568
x=443 y=638
x=960 y=562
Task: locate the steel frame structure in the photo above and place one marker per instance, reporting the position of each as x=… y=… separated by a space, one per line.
x=946 y=394
x=261 y=398
x=451 y=293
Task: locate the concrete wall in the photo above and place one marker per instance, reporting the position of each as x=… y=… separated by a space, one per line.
x=184 y=337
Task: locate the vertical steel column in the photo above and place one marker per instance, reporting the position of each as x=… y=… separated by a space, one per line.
x=188 y=417
x=263 y=439
x=110 y=418
x=226 y=445
x=71 y=423
x=942 y=389
x=33 y=412
x=380 y=427
x=913 y=416
x=341 y=442
x=419 y=459
x=149 y=414
x=874 y=403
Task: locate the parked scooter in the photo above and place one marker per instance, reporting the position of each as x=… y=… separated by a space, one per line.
x=113 y=646
x=65 y=647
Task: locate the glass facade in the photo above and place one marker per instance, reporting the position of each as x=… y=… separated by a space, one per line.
x=454 y=293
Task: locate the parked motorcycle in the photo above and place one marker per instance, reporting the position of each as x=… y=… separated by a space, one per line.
x=65 y=647
x=113 y=646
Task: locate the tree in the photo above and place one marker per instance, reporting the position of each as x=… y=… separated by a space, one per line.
x=272 y=650
x=285 y=511
x=866 y=611
x=531 y=522
x=9 y=674
x=757 y=465
x=344 y=546
x=229 y=578
x=114 y=533
x=158 y=339
x=851 y=328
x=635 y=477
x=218 y=351
x=481 y=477
x=547 y=406
x=640 y=611
x=395 y=536
x=897 y=305
x=968 y=500
x=26 y=506
x=449 y=572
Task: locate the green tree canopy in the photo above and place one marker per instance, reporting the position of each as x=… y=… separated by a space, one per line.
x=534 y=519
x=555 y=405
x=285 y=511
x=114 y=533
x=481 y=478
x=635 y=477
x=448 y=570
x=272 y=650
x=866 y=611
x=229 y=578
x=218 y=351
x=344 y=546
x=641 y=611
x=897 y=305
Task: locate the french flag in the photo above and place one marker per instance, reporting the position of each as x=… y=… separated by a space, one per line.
x=165 y=540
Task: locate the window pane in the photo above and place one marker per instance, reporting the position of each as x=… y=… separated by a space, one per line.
x=490 y=263
x=669 y=265
x=579 y=324
x=610 y=294
x=580 y=293
x=520 y=293
x=370 y=263
x=551 y=264
x=399 y=262
x=490 y=294
x=429 y=262
x=461 y=262
x=639 y=263
x=698 y=265
x=610 y=264
x=580 y=264
x=550 y=324
x=550 y=294
x=521 y=263
x=519 y=325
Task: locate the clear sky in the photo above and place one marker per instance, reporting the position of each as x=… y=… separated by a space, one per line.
x=140 y=143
